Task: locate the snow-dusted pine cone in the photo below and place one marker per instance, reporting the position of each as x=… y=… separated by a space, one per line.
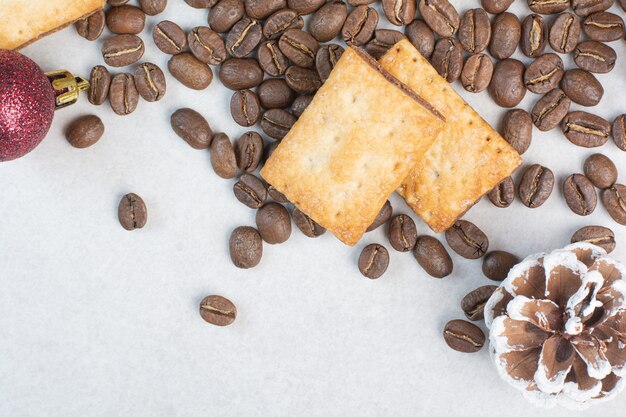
x=558 y=326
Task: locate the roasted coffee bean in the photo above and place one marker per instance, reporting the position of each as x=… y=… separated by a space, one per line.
x=477 y=72
x=116 y=3
x=326 y=59
x=260 y=9
x=217 y=310
x=441 y=16
x=550 y=110
x=224 y=15
x=402 y=233
x=536 y=185
x=125 y=20
x=91 y=27
x=466 y=239
x=201 y=4
x=534 y=35
x=192 y=127
x=132 y=212
x=325 y=25
x=432 y=256
x=169 y=37
x=300 y=104
x=250 y=191
x=373 y=261
x=280 y=21
x=307 y=225
x=582 y=87
x=245 y=108
x=305 y=7
x=475 y=31
x=422 y=37
x=548 y=6
x=579 y=194
x=189 y=71
x=399 y=12
x=382 y=217
x=303 y=80
x=600 y=170
x=623 y=4
x=249 y=151
x=299 y=47
x=277 y=195
x=496 y=6
x=383 y=40
x=586 y=129
x=123 y=94
x=244 y=37
x=276 y=123
x=99 y=83
x=273 y=223
x=240 y=73
x=619 y=132
x=564 y=33
x=84 y=131
x=269 y=149
x=448 y=59
x=206 y=45
x=595 y=57
x=517 y=129
x=150 y=82
x=596 y=235
x=246 y=247
x=473 y=304
x=614 y=200
x=497 y=264
x=584 y=8
x=503 y=194
x=122 y=50
x=544 y=73
x=506 y=33
x=223 y=158
x=274 y=93
x=507 y=83
x=463 y=336
x=271 y=59
x=604 y=27
x=153 y=7
x=359 y=26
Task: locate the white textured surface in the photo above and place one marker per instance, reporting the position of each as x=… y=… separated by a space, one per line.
x=96 y=321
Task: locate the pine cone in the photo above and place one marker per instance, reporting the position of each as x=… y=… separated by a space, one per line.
x=558 y=326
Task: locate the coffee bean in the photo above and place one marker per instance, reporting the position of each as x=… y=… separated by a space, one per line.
x=586 y=129
x=250 y=191
x=245 y=108
x=276 y=123
x=269 y=149
x=496 y=6
x=280 y=21
x=84 y=131
x=273 y=223
x=303 y=80
x=584 y=8
x=433 y=257
x=271 y=59
x=132 y=212
x=596 y=235
x=475 y=31
x=123 y=94
x=260 y=9
x=359 y=26
x=99 y=83
x=503 y=194
x=223 y=157
x=274 y=93
x=497 y=264
x=582 y=87
x=116 y=3
x=517 y=129
x=402 y=233
x=201 y=4
x=534 y=35
x=463 y=336
x=422 y=37
x=122 y=50
x=506 y=32
x=325 y=25
x=206 y=45
x=150 y=82
x=623 y=4
x=477 y=72
x=277 y=195
x=466 y=239
x=564 y=33
x=373 y=261
x=382 y=217
x=600 y=170
x=326 y=59
x=383 y=40
x=189 y=71
x=91 y=27
x=245 y=247
x=249 y=151
x=473 y=304
x=169 y=37
x=579 y=194
x=441 y=16
x=153 y=7
x=399 y=12
x=604 y=27
x=550 y=110
x=125 y=20
x=244 y=37
x=507 y=83
x=217 y=310
x=300 y=104
x=240 y=73
x=192 y=127
x=548 y=6
x=619 y=132
x=544 y=73
x=595 y=57
x=305 y=7
x=536 y=185
x=614 y=200
x=225 y=14
x=448 y=59
x=306 y=225
x=299 y=47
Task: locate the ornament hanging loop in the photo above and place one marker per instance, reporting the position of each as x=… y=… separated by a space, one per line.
x=66 y=87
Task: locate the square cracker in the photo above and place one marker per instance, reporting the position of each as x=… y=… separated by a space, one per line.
x=24 y=21
x=352 y=146
x=467 y=160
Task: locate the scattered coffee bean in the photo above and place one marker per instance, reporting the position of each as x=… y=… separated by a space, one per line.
x=614 y=200
x=548 y=6
x=260 y=9
x=477 y=72
x=275 y=93
x=223 y=157
x=271 y=59
x=534 y=35
x=123 y=94
x=433 y=257
x=550 y=110
x=383 y=40
x=280 y=21
x=153 y=7
x=150 y=82
x=224 y=15
x=382 y=217
x=132 y=212
x=300 y=104
x=99 y=83
x=582 y=87
x=497 y=264
x=249 y=151
x=564 y=33
x=277 y=195
x=507 y=83
x=303 y=80
x=506 y=32
x=422 y=37
x=579 y=194
x=201 y=4
x=244 y=37
x=325 y=25
x=402 y=233
x=245 y=108
x=544 y=73
x=273 y=223
x=441 y=16
x=600 y=170
x=122 y=50
x=503 y=194
x=245 y=247
x=125 y=20
x=596 y=235
x=447 y=59
x=473 y=304
x=192 y=127
x=619 y=132
x=584 y=8
x=604 y=27
x=250 y=191
x=269 y=149
x=595 y=57
x=373 y=261
x=359 y=26
x=326 y=59
x=84 y=131
x=305 y=7
x=466 y=239
x=496 y=6
x=463 y=336
x=536 y=185
x=475 y=31
x=586 y=129
x=169 y=37
x=189 y=71
x=306 y=224
x=116 y=3
x=399 y=12
x=206 y=45
x=240 y=73
x=299 y=47
x=276 y=123
x=91 y=27
x=517 y=129
x=217 y=310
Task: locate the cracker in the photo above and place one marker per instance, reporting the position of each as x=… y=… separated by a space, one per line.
x=352 y=146
x=467 y=160
x=25 y=21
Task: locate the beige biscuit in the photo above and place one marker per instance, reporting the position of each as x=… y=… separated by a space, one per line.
x=352 y=146
x=24 y=21
x=468 y=159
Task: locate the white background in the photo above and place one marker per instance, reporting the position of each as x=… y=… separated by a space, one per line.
x=98 y=321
